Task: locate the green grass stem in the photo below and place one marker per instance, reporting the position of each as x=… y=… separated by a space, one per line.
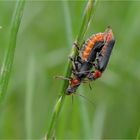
x=59 y=103
x=30 y=84
x=68 y=26
x=138 y=135
x=9 y=57
x=84 y=115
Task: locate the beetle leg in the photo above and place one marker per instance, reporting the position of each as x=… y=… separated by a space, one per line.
x=84 y=72
x=73 y=63
x=78 y=58
x=76 y=63
x=98 y=60
x=75 y=45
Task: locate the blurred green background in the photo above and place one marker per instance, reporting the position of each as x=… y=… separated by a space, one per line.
x=43 y=46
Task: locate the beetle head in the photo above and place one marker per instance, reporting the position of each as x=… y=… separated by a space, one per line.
x=74 y=83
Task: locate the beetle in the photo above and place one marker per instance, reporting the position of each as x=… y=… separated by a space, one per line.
x=103 y=56
x=94 y=53
x=84 y=61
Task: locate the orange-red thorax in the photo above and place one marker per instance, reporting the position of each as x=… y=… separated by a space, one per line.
x=74 y=82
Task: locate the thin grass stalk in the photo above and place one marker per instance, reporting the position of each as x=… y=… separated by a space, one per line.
x=99 y=120
x=68 y=26
x=9 y=57
x=84 y=116
x=85 y=23
x=30 y=85
x=138 y=135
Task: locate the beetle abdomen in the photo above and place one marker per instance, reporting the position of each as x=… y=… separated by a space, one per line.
x=90 y=44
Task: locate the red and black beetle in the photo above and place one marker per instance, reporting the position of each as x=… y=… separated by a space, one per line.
x=104 y=55
x=95 y=53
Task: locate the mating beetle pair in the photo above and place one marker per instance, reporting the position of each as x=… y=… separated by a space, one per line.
x=91 y=60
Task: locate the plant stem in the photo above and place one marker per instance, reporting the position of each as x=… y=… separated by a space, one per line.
x=138 y=135
x=29 y=95
x=9 y=57
x=68 y=26
x=85 y=22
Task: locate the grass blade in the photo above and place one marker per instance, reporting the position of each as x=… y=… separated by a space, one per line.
x=98 y=122
x=29 y=96
x=84 y=116
x=138 y=135
x=68 y=25
x=8 y=59
x=85 y=22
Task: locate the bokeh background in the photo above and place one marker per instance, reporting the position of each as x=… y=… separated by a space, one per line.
x=46 y=33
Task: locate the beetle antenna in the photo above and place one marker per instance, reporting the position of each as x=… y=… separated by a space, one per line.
x=85 y=81
x=90 y=86
x=87 y=99
x=72 y=99
x=62 y=78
